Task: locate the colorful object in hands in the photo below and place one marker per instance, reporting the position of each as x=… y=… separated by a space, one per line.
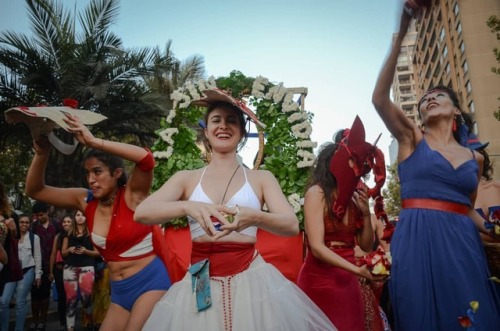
x=378 y=262
x=492 y=222
x=218 y=224
x=468 y=322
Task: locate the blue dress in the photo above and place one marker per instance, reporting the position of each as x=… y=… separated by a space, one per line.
x=439 y=265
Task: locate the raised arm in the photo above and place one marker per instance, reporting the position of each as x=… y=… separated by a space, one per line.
x=35 y=187
x=397 y=123
x=139 y=183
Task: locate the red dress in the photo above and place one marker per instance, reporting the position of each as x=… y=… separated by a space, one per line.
x=336 y=291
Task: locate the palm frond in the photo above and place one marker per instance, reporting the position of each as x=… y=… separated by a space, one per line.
x=44 y=16
x=98 y=17
x=192 y=68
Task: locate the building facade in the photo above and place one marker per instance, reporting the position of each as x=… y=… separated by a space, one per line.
x=454 y=47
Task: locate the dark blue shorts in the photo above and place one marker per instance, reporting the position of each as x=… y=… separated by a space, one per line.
x=154 y=277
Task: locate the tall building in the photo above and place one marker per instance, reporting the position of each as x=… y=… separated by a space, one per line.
x=454 y=47
x=403 y=86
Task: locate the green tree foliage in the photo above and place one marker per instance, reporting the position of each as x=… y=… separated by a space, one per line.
x=75 y=55
x=494 y=24
x=392 y=193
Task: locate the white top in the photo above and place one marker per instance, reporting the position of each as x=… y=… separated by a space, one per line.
x=145 y=246
x=245 y=197
x=26 y=258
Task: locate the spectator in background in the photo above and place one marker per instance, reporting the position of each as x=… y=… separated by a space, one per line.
x=101 y=294
x=40 y=295
x=488 y=191
x=4 y=259
x=12 y=272
x=79 y=254
x=56 y=270
x=31 y=263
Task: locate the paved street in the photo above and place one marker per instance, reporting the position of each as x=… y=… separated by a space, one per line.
x=52 y=319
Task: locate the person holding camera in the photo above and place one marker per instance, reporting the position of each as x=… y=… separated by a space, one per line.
x=78 y=275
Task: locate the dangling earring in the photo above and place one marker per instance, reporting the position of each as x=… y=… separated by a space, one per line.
x=454 y=127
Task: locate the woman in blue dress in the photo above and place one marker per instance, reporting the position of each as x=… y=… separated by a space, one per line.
x=439 y=267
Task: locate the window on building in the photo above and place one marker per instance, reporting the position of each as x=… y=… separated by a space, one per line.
x=465 y=66
x=445 y=51
x=435 y=54
x=472 y=108
x=459 y=28
x=456 y=10
x=428 y=72
x=442 y=34
x=432 y=41
x=468 y=86
x=462 y=47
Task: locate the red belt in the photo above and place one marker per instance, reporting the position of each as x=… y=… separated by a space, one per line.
x=436 y=205
x=226 y=258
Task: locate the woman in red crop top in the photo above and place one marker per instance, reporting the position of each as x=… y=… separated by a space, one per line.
x=138 y=276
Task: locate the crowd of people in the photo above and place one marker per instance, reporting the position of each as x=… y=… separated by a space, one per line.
x=108 y=253
x=40 y=268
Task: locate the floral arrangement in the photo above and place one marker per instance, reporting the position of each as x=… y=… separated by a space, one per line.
x=493 y=224
x=378 y=262
x=468 y=322
x=288 y=149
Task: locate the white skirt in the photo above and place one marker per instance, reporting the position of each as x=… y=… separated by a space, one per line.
x=259 y=298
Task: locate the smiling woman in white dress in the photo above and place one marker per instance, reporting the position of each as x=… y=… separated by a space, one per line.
x=229 y=286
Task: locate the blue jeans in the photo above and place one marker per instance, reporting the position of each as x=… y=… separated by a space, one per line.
x=22 y=288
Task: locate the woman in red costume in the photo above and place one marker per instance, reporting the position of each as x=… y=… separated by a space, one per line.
x=138 y=276
x=337 y=217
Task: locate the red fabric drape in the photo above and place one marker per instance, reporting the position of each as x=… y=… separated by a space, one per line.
x=285 y=253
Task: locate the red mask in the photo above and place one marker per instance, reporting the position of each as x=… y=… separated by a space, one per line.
x=352 y=160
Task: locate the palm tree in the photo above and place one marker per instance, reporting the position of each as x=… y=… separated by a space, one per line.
x=169 y=73
x=87 y=63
